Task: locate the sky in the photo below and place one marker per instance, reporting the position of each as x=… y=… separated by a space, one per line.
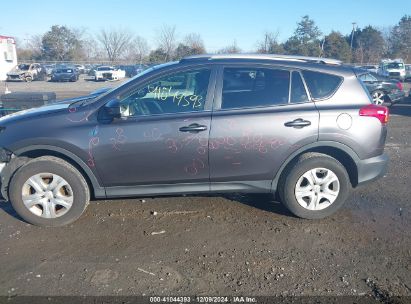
x=219 y=22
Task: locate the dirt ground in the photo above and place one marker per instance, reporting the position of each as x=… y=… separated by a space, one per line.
x=220 y=244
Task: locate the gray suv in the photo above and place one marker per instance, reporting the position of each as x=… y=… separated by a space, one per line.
x=304 y=128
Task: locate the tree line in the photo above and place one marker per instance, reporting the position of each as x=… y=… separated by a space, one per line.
x=362 y=45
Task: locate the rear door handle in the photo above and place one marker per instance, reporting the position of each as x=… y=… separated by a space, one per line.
x=193 y=128
x=298 y=123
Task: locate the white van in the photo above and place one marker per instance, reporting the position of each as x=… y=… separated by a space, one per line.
x=392 y=68
x=8 y=56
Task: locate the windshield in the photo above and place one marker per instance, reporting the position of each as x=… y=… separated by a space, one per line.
x=95 y=98
x=24 y=67
x=105 y=69
x=395 y=65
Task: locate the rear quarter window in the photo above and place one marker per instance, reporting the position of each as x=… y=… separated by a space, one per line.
x=321 y=85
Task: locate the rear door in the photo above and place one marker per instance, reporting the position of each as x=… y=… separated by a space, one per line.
x=261 y=115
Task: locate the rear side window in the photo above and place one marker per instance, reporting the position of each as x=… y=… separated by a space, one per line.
x=321 y=85
x=254 y=87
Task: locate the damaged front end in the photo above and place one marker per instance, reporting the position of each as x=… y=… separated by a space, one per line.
x=16 y=76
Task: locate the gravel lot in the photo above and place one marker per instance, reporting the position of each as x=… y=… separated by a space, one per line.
x=219 y=245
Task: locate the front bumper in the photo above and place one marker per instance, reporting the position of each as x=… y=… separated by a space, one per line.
x=69 y=78
x=12 y=77
x=372 y=168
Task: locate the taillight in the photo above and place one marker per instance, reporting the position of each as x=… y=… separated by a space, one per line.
x=399 y=85
x=379 y=112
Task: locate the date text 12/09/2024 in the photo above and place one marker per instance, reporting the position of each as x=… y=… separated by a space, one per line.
x=203 y=299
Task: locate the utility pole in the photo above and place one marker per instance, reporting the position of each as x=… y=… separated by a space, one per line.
x=352 y=33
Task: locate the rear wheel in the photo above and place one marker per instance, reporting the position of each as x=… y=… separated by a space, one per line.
x=48 y=191
x=315 y=186
x=378 y=97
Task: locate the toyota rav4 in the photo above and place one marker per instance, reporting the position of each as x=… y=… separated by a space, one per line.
x=300 y=127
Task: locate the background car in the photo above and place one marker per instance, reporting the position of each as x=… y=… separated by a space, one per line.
x=407 y=72
x=49 y=68
x=27 y=72
x=370 y=68
x=382 y=89
x=65 y=74
x=87 y=68
x=392 y=68
x=80 y=68
x=108 y=73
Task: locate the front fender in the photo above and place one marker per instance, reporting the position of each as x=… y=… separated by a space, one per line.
x=99 y=191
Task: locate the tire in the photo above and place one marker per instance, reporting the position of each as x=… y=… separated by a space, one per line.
x=28 y=79
x=71 y=191
x=294 y=179
x=378 y=97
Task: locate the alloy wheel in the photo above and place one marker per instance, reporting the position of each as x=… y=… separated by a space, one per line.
x=378 y=97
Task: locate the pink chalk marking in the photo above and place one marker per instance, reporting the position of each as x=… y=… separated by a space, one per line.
x=119 y=140
x=82 y=119
x=92 y=142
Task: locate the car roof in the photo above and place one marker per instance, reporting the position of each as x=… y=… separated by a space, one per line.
x=299 y=62
x=265 y=57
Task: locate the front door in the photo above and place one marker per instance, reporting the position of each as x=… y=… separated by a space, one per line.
x=261 y=116
x=162 y=136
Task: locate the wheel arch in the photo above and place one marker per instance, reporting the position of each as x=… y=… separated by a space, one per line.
x=344 y=154
x=96 y=190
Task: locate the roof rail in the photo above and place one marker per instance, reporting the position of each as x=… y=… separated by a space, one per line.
x=263 y=57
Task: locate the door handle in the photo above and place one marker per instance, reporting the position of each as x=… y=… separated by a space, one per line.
x=298 y=123
x=193 y=128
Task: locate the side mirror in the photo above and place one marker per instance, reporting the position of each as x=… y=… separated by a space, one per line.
x=110 y=111
x=114 y=111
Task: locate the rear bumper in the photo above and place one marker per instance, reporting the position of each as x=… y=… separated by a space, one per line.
x=372 y=168
x=395 y=97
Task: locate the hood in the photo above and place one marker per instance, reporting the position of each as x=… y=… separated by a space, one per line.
x=19 y=72
x=35 y=112
x=52 y=108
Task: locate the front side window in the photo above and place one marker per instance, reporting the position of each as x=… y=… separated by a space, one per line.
x=254 y=87
x=174 y=93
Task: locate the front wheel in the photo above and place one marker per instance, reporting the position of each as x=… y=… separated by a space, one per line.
x=315 y=186
x=48 y=191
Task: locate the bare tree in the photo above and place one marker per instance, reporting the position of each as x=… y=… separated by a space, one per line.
x=34 y=44
x=269 y=44
x=115 y=42
x=138 y=50
x=90 y=48
x=195 y=43
x=231 y=49
x=166 y=40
